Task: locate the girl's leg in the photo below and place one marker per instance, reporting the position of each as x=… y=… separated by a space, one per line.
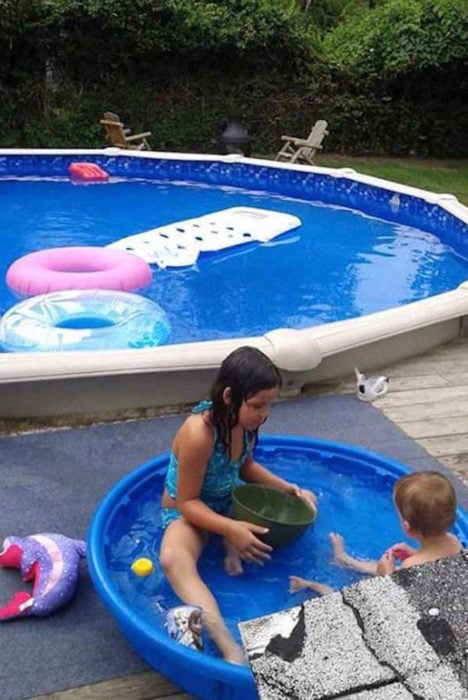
x=296 y=583
x=232 y=560
x=320 y=588
x=181 y=547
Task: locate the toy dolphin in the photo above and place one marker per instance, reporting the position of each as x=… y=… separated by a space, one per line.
x=52 y=562
x=370 y=388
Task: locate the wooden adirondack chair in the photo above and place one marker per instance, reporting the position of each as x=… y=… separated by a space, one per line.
x=118 y=135
x=296 y=150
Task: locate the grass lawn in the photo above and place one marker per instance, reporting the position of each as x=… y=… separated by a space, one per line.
x=445 y=176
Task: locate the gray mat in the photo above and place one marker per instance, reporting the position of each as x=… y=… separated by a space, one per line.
x=54 y=480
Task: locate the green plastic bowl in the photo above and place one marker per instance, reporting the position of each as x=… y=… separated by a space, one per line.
x=286 y=516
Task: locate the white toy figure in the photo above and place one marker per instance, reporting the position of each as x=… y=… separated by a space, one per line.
x=371 y=388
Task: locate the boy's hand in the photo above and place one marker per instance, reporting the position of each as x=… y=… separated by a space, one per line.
x=386 y=564
x=305 y=495
x=402 y=550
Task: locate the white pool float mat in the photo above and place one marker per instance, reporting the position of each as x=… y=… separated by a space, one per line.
x=180 y=243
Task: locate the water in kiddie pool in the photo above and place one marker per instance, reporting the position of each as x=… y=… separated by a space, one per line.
x=354 y=499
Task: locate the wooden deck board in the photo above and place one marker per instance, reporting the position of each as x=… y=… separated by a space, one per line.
x=433 y=413
x=418 y=381
x=426 y=366
x=435 y=409
x=445 y=445
x=423 y=396
x=456 y=378
x=428 y=399
x=458 y=464
x=436 y=427
x=148 y=685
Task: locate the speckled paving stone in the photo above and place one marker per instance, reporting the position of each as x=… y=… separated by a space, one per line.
x=391 y=627
x=439 y=594
x=324 y=654
x=401 y=636
x=440 y=683
x=393 y=691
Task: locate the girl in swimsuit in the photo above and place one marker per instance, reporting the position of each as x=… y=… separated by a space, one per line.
x=211 y=451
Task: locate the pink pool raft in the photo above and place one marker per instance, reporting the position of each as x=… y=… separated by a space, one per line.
x=79 y=267
x=87 y=172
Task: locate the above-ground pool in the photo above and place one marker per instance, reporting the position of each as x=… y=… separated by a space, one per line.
x=354 y=489
x=375 y=272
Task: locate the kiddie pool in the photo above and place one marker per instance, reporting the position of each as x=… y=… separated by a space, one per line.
x=126 y=526
x=111 y=380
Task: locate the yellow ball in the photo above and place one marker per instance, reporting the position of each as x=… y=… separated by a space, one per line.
x=142 y=566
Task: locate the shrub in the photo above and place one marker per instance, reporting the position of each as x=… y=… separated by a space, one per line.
x=400 y=37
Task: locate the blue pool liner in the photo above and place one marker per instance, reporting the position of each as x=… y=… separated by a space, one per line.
x=340 y=189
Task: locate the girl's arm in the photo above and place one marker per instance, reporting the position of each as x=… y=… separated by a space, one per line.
x=254 y=472
x=194 y=449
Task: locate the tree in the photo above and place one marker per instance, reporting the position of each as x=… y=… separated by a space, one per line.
x=400 y=36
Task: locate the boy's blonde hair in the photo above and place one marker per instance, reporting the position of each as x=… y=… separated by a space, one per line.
x=427 y=501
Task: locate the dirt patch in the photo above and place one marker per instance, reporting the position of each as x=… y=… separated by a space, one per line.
x=15 y=426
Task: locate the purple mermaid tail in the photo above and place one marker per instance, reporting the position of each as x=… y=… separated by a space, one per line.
x=52 y=562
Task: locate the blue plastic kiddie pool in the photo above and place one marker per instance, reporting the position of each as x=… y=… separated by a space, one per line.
x=354 y=488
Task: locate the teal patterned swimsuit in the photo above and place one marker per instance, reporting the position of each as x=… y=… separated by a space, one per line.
x=221 y=475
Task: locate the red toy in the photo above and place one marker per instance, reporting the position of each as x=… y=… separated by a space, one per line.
x=90 y=172
x=401 y=553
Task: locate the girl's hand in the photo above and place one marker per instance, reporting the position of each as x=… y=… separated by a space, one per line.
x=386 y=564
x=305 y=495
x=242 y=535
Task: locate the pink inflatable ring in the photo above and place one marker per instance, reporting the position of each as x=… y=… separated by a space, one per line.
x=79 y=267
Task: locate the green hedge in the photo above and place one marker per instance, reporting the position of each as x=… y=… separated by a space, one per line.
x=181 y=67
x=400 y=37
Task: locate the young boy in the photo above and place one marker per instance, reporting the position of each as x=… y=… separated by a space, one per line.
x=426 y=505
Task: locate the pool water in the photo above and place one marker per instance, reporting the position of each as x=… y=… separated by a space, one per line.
x=339 y=264
x=83 y=322
x=354 y=499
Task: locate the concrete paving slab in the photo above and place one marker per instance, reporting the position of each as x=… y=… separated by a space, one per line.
x=392 y=691
x=399 y=636
x=322 y=656
x=440 y=600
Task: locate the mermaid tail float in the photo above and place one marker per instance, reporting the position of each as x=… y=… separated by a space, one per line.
x=52 y=562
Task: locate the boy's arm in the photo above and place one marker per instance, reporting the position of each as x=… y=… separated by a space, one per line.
x=386 y=564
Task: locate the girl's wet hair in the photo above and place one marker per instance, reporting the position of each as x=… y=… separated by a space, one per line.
x=246 y=371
